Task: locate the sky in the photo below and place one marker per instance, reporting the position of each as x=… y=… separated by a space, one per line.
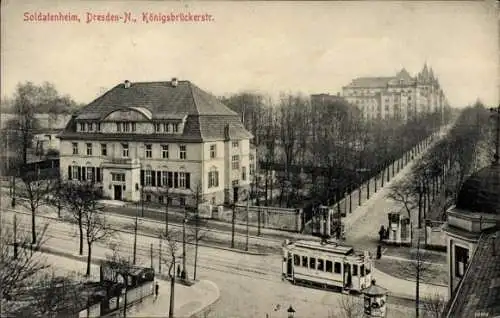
x=268 y=47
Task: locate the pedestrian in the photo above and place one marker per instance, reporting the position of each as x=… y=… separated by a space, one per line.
x=379 y=251
x=157 y=287
x=178 y=270
x=381 y=233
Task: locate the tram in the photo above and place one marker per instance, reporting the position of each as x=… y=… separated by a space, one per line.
x=326 y=264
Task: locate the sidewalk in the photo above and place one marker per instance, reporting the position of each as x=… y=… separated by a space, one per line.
x=188 y=301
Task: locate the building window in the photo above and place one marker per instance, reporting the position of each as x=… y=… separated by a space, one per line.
x=243 y=173
x=213 y=179
x=149 y=151
x=125 y=150
x=134 y=127
x=182 y=151
x=90 y=175
x=461 y=260
x=164 y=178
x=213 y=151
x=354 y=270
x=147 y=177
x=182 y=180
x=75 y=148
x=236 y=144
x=89 y=149
x=91 y=127
x=235 y=183
x=236 y=162
x=164 y=151
x=126 y=127
x=118 y=127
x=104 y=150
x=74 y=173
x=252 y=170
x=167 y=128
x=98 y=127
x=157 y=127
x=176 y=128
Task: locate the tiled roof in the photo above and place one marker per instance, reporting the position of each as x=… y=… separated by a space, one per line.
x=206 y=119
x=370 y=82
x=479 y=293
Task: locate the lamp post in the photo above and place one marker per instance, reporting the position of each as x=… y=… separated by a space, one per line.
x=135 y=236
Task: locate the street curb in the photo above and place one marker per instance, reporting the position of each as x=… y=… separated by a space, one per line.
x=209 y=303
x=149 y=235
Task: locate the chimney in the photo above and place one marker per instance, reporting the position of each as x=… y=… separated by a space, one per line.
x=174 y=82
x=126 y=84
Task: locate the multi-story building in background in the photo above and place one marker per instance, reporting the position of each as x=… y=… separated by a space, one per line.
x=399 y=97
x=155 y=139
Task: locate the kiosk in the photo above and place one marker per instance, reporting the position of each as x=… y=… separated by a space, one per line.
x=375 y=300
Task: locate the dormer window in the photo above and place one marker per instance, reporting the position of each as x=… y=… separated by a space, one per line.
x=91 y=127
x=118 y=127
x=82 y=126
x=134 y=127
x=157 y=127
x=176 y=128
x=165 y=127
x=98 y=127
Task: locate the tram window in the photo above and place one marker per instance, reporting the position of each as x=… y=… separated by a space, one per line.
x=312 y=263
x=367 y=269
x=304 y=261
x=296 y=260
x=320 y=265
x=354 y=270
x=337 y=268
x=362 y=270
x=329 y=266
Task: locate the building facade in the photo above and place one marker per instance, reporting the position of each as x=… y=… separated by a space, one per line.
x=162 y=141
x=398 y=97
x=473 y=251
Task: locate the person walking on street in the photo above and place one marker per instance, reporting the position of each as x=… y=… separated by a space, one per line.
x=157 y=287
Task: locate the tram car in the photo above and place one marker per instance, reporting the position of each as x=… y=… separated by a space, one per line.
x=326 y=264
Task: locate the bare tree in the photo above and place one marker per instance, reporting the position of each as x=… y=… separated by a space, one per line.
x=56 y=196
x=403 y=191
x=173 y=248
x=36 y=191
x=54 y=296
x=96 y=229
x=350 y=307
x=79 y=198
x=434 y=305
x=18 y=266
x=196 y=232
x=121 y=267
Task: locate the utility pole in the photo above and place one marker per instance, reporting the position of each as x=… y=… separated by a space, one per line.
x=135 y=235
x=159 y=256
x=248 y=216
x=142 y=201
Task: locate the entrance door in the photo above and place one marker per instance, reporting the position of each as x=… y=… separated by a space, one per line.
x=347 y=276
x=289 y=266
x=118 y=192
x=235 y=194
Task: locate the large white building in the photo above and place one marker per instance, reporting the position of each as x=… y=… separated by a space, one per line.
x=401 y=97
x=155 y=138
